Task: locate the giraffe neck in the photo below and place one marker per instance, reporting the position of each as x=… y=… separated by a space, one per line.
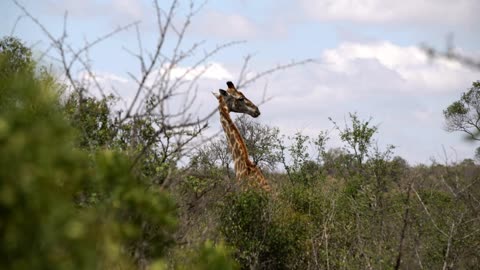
x=235 y=140
x=245 y=170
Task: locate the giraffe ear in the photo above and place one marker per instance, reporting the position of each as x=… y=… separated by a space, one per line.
x=217 y=95
x=223 y=92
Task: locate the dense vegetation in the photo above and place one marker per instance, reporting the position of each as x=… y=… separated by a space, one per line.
x=81 y=189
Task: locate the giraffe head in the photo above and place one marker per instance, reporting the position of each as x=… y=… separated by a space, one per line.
x=237 y=102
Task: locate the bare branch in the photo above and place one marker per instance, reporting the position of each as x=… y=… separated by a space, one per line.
x=163 y=31
x=12 y=32
x=452 y=55
x=404 y=227
x=428 y=213
x=244 y=82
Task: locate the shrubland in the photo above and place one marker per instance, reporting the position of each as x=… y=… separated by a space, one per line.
x=83 y=189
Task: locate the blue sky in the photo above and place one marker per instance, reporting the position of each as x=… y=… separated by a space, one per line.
x=367 y=52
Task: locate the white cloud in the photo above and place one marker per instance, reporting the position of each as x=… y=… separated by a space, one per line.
x=214 y=71
x=242 y=25
x=380 y=11
x=354 y=74
x=209 y=71
x=398 y=86
x=102 y=77
x=408 y=67
x=210 y=77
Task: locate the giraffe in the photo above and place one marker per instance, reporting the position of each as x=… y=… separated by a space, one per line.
x=232 y=100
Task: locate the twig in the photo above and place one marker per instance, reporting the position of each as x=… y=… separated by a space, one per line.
x=428 y=213
x=404 y=227
x=243 y=82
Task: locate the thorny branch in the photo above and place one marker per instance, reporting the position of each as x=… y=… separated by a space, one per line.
x=451 y=54
x=63 y=49
x=158 y=87
x=244 y=82
x=406 y=217
x=428 y=213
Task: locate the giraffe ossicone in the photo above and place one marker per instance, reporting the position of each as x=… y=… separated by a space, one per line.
x=232 y=100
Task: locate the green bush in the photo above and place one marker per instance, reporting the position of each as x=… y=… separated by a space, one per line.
x=63 y=208
x=265 y=233
x=206 y=256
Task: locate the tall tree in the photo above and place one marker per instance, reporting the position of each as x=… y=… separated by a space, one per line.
x=464 y=114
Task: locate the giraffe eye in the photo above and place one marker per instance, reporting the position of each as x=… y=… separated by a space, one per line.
x=241 y=99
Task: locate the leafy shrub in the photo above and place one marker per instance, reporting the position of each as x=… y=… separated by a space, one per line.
x=63 y=208
x=205 y=256
x=265 y=233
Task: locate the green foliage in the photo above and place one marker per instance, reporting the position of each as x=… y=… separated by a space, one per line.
x=213 y=257
x=198 y=185
x=212 y=156
x=80 y=189
x=40 y=173
x=302 y=168
x=303 y=199
x=358 y=137
x=98 y=129
x=63 y=208
x=320 y=144
x=299 y=151
x=15 y=58
x=260 y=141
x=456 y=108
x=208 y=256
x=92 y=117
x=353 y=186
x=265 y=233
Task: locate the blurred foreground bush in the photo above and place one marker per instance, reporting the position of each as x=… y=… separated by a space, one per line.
x=64 y=207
